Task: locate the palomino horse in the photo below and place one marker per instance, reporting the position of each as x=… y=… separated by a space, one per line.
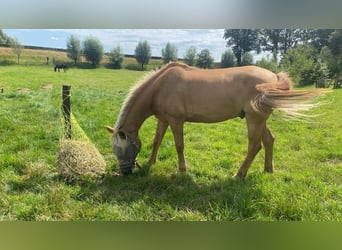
x=178 y=93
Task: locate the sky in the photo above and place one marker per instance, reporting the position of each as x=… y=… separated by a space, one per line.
x=128 y=39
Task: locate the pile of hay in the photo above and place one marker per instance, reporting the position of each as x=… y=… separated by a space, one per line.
x=79 y=160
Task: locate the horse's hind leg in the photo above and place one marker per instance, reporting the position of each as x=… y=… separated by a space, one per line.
x=268 y=140
x=160 y=132
x=178 y=134
x=255 y=129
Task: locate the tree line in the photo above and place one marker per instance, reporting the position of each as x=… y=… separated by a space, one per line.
x=93 y=52
x=309 y=55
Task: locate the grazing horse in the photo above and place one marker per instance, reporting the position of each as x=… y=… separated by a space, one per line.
x=61 y=66
x=178 y=93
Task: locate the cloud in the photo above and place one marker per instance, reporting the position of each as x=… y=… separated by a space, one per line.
x=54 y=38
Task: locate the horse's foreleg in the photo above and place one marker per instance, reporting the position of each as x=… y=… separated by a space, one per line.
x=268 y=140
x=177 y=130
x=255 y=129
x=160 y=132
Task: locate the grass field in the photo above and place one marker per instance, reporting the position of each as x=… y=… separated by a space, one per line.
x=306 y=185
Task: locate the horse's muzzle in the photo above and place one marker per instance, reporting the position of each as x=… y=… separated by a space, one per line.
x=126 y=167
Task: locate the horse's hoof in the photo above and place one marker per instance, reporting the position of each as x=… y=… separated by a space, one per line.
x=238 y=177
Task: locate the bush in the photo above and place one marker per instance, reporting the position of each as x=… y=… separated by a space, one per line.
x=169 y=53
x=116 y=58
x=268 y=64
x=299 y=63
x=311 y=75
x=205 y=60
x=228 y=59
x=190 y=56
x=247 y=59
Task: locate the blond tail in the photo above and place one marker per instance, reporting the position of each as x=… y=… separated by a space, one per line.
x=280 y=96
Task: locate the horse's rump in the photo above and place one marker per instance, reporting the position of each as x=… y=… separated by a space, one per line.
x=284 y=83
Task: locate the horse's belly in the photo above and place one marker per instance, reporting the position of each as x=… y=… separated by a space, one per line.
x=208 y=115
x=211 y=108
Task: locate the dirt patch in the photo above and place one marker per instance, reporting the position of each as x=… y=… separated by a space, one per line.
x=48 y=86
x=23 y=90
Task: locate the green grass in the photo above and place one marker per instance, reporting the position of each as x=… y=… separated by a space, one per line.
x=306 y=185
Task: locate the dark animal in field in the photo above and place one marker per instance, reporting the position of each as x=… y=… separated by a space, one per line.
x=61 y=66
x=178 y=93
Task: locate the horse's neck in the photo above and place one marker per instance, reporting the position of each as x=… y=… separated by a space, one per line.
x=138 y=113
x=141 y=108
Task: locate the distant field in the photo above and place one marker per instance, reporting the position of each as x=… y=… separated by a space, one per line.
x=306 y=185
x=38 y=57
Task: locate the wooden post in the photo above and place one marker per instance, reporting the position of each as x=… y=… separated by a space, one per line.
x=66 y=111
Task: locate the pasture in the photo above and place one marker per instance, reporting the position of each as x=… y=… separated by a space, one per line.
x=306 y=185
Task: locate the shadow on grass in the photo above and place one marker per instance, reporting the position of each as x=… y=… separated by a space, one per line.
x=221 y=199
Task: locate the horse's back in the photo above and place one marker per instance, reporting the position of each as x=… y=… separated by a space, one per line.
x=207 y=95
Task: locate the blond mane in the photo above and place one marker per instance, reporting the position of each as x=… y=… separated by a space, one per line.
x=138 y=88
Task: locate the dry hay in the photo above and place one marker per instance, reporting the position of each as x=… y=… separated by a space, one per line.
x=79 y=160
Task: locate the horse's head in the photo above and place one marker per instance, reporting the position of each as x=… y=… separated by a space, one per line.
x=125 y=148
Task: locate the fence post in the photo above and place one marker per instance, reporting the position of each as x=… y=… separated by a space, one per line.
x=66 y=111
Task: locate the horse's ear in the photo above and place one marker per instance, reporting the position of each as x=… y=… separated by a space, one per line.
x=109 y=129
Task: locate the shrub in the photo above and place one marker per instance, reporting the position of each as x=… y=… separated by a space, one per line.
x=228 y=59
x=116 y=58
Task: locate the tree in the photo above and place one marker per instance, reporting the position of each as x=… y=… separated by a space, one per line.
x=93 y=50
x=116 y=57
x=320 y=38
x=241 y=41
x=169 y=53
x=204 y=60
x=228 y=59
x=5 y=39
x=143 y=53
x=246 y=59
x=289 y=39
x=335 y=46
x=17 y=48
x=298 y=60
x=333 y=64
x=190 y=56
x=74 y=48
x=271 y=41
x=335 y=42
x=269 y=64
x=280 y=40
